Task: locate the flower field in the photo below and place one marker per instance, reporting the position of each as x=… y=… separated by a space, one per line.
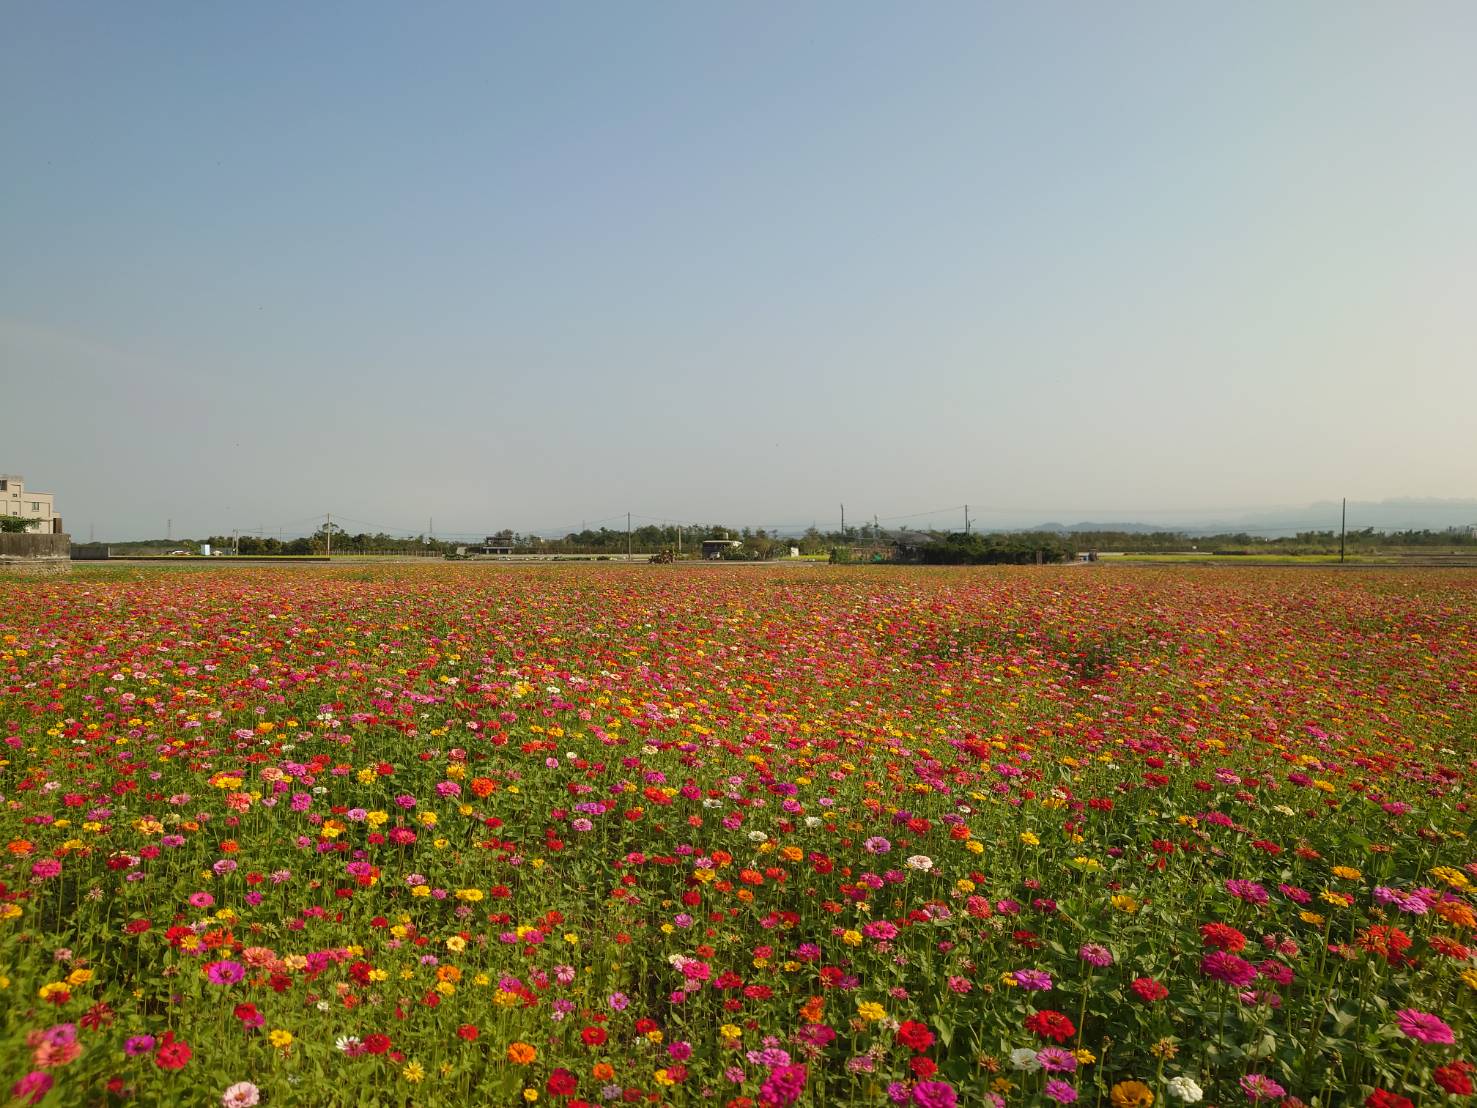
x=682 y=835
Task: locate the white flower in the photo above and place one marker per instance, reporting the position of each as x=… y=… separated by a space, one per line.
x=813 y=822
x=345 y=1042
x=920 y=862
x=1185 y=1089
x=1024 y=1059
x=758 y=837
x=243 y=1094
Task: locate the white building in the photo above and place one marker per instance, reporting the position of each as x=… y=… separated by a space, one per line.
x=38 y=508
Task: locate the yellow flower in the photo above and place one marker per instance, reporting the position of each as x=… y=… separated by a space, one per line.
x=870 y=1011
x=851 y=938
x=51 y=988
x=79 y=977
x=470 y=895
x=1469 y=976
x=1338 y=900
x=1348 y=873
x=1084 y=1057
x=413 y=1072
x=730 y=1031
x=1029 y=839
x=663 y=1078
x=1453 y=877
x=456 y=944
x=1125 y=903
x=530 y=1095
x=1311 y=917
x=279 y=1038
x=974 y=846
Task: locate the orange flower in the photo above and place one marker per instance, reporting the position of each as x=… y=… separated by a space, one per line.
x=1456 y=912
x=603 y=1071
x=1132 y=1094
x=521 y=1054
x=483 y=786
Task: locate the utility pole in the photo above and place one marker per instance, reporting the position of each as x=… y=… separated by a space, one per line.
x=966 y=519
x=169 y=530
x=235 y=542
x=328 y=532
x=628 y=536
x=679 y=540
x=1343 y=522
x=843 y=521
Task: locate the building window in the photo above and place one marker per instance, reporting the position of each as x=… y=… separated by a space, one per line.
x=35 y=505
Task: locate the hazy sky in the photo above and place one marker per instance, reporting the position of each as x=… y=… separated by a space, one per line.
x=531 y=264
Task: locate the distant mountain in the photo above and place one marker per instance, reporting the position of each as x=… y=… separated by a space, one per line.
x=1400 y=514
x=1127 y=528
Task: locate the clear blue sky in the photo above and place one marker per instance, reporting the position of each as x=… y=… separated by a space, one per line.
x=531 y=264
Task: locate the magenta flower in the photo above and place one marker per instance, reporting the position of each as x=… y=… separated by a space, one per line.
x=225 y=972
x=1219 y=965
x=1257 y=1086
x=783 y=1086
x=934 y=1094
x=1035 y=980
x=1056 y=1059
x=32 y=1087
x=46 y=867
x=1059 y=1091
x=1424 y=1027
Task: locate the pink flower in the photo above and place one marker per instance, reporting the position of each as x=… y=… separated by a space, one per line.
x=1424 y=1027
x=1260 y=1087
x=46 y=867
x=934 y=1094
x=1220 y=965
x=32 y=1087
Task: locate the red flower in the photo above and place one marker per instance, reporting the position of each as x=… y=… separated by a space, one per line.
x=468 y=1031
x=593 y=1036
x=1222 y=936
x=171 y=1054
x=1454 y=1077
x=1051 y=1025
x=376 y=1044
x=561 y=1083
x=915 y=1035
x=923 y=1068
x=1148 y=990
x=1381 y=1099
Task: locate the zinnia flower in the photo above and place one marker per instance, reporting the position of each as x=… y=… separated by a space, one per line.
x=243 y=1094
x=1131 y=1094
x=1424 y=1027
x=1228 y=968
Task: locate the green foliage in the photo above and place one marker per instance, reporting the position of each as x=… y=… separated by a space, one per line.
x=15 y=525
x=1013 y=548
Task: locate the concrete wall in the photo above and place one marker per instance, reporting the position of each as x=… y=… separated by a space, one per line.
x=36 y=553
